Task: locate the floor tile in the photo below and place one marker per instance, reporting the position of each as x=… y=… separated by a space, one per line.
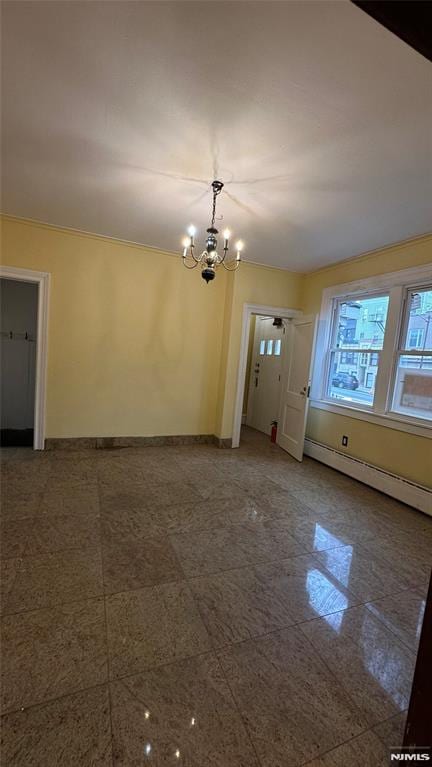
x=365 y=575
x=172 y=493
x=145 y=495
x=375 y=668
x=133 y=562
x=321 y=497
x=246 y=602
x=8 y=573
x=71 y=731
x=391 y=732
x=116 y=500
x=280 y=505
x=153 y=626
x=129 y=521
x=183 y=709
x=412 y=557
x=254 y=557
x=71 y=499
x=51 y=652
x=402 y=614
x=54 y=578
x=223 y=548
x=324 y=533
x=218 y=489
x=364 y=751
x=54 y=533
x=20 y=505
x=208 y=515
x=14 y=536
x=291 y=704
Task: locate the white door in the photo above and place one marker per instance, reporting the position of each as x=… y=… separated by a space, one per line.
x=264 y=384
x=295 y=385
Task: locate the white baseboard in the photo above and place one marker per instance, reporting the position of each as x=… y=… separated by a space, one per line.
x=408 y=492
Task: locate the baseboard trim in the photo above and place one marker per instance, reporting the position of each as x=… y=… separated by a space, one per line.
x=225 y=442
x=404 y=490
x=110 y=443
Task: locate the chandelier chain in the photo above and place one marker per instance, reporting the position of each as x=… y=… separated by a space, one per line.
x=215 y=194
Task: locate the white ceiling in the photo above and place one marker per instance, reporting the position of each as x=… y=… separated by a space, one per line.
x=117 y=115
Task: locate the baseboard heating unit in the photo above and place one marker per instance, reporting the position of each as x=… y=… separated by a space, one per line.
x=404 y=490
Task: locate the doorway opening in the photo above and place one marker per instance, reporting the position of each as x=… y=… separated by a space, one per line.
x=281 y=384
x=18 y=312
x=23 y=349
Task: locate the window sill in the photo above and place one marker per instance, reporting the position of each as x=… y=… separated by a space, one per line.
x=391 y=421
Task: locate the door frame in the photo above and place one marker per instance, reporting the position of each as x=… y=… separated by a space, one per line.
x=248 y=311
x=42 y=279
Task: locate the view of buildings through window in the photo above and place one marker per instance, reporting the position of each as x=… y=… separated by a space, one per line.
x=357 y=341
x=413 y=383
x=358 y=329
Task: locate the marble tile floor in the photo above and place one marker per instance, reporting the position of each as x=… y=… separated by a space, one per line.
x=203 y=607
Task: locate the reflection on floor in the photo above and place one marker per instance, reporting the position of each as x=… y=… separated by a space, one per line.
x=196 y=606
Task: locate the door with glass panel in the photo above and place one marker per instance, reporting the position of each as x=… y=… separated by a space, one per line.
x=264 y=383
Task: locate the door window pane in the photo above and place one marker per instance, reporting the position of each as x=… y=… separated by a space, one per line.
x=419 y=325
x=270 y=346
x=361 y=323
x=277 y=347
x=413 y=386
x=262 y=346
x=348 y=381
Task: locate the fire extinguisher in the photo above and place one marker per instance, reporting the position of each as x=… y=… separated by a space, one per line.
x=274 y=425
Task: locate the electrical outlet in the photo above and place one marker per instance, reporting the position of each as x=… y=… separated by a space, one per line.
x=344 y=441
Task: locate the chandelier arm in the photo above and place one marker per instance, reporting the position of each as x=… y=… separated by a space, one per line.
x=225 y=251
x=191 y=254
x=234 y=265
x=190 y=266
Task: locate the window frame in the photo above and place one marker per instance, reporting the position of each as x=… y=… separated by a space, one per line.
x=397 y=285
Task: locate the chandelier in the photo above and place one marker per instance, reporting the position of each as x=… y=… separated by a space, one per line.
x=210 y=259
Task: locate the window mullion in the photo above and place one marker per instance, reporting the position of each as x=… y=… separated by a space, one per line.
x=385 y=373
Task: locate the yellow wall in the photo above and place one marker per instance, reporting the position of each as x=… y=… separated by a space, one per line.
x=139 y=346
x=401 y=453
x=134 y=339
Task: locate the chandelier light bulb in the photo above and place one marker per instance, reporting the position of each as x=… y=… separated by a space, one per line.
x=191 y=230
x=227 y=234
x=186 y=242
x=239 y=245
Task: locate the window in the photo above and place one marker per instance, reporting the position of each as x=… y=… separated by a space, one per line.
x=347 y=358
x=277 y=347
x=262 y=347
x=363 y=317
x=270 y=346
x=374 y=350
x=416 y=336
x=413 y=380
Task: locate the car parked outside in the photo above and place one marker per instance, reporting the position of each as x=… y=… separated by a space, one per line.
x=345 y=381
